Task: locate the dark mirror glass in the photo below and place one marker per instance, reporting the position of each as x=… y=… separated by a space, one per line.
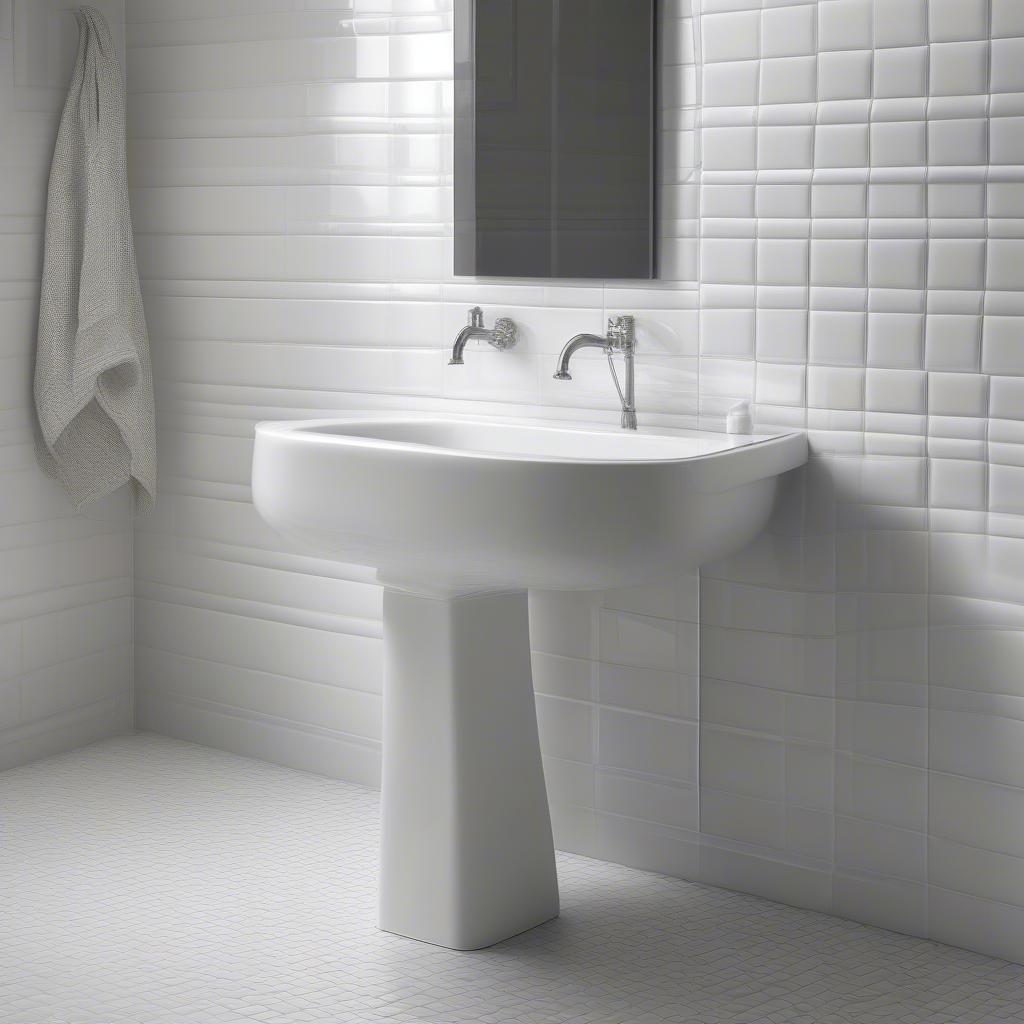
x=554 y=138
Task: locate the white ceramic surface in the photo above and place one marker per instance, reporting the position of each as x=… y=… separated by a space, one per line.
x=460 y=516
x=467 y=857
x=446 y=505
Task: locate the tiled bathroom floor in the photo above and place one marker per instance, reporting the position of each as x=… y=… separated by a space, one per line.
x=144 y=880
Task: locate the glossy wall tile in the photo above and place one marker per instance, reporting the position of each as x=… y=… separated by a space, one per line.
x=862 y=195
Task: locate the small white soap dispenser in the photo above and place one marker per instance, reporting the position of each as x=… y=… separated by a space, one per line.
x=739 y=420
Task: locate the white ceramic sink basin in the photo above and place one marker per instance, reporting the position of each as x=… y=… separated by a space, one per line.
x=438 y=504
x=460 y=517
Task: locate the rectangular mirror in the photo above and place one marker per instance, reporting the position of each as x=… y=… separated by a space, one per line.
x=554 y=138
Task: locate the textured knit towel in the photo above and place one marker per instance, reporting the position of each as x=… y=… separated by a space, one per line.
x=93 y=382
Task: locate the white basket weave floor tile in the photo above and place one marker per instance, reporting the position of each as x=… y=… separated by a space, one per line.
x=146 y=880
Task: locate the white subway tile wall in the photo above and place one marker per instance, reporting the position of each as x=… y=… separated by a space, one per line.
x=851 y=262
x=65 y=579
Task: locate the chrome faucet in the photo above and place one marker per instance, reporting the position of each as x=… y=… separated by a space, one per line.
x=621 y=337
x=501 y=336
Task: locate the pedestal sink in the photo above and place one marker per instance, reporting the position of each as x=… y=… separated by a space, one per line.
x=461 y=517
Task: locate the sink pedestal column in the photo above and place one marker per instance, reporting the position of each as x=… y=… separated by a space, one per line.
x=466 y=852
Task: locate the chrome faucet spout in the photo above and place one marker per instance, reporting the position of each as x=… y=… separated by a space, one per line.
x=574 y=345
x=501 y=336
x=460 y=343
x=621 y=337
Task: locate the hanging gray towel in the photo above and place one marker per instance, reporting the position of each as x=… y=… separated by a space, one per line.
x=93 y=380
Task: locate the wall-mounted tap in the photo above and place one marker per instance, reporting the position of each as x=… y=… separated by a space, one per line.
x=501 y=336
x=621 y=337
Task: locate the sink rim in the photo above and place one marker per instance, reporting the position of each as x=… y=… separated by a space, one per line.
x=465 y=520
x=311 y=431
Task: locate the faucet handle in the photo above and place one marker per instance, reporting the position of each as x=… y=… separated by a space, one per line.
x=476 y=317
x=504 y=333
x=622 y=332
